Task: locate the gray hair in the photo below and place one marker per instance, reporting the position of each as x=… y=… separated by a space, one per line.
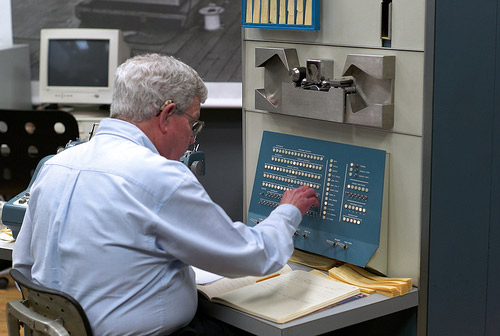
x=143 y=83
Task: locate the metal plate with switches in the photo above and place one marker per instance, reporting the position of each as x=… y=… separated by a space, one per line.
x=349 y=181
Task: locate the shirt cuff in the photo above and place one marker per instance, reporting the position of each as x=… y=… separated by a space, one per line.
x=290 y=211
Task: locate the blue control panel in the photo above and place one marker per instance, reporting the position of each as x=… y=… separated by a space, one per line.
x=348 y=180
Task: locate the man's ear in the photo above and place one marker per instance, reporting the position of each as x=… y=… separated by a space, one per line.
x=165 y=113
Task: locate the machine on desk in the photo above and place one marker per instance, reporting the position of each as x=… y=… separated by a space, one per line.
x=13 y=211
x=350 y=224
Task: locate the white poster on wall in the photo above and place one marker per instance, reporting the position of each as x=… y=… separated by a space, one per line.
x=5 y=23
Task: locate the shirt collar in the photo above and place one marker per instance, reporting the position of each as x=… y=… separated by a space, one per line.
x=124 y=129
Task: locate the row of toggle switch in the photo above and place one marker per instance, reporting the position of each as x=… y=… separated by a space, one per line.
x=304 y=235
x=358 y=196
x=336 y=243
x=273 y=195
x=269 y=203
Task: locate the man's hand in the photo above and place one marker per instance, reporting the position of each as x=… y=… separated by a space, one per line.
x=303 y=198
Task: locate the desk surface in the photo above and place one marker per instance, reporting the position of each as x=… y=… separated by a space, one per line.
x=6 y=250
x=334 y=318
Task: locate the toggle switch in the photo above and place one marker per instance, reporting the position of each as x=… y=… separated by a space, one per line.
x=344 y=246
x=337 y=243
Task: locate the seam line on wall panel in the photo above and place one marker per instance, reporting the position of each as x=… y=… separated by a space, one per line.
x=333 y=45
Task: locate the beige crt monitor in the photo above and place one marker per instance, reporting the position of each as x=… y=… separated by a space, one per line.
x=77 y=66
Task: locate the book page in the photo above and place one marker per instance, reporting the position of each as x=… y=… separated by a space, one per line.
x=203 y=277
x=225 y=285
x=288 y=296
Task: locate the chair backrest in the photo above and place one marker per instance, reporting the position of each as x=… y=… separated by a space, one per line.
x=50 y=309
x=25 y=138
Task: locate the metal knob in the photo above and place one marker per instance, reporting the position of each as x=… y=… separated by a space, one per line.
x=297 y=74
x=197 y=168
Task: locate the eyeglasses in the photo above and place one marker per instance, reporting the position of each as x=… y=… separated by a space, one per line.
x=197 y=124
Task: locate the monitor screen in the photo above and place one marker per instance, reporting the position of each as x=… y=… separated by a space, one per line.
x=78 y=63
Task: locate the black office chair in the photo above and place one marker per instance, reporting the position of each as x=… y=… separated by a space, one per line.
x=25 y=138
x=45 y=311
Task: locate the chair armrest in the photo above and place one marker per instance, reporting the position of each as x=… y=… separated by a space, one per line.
x=33 y=320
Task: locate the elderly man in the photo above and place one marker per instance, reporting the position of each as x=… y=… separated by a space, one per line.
x=115 y=222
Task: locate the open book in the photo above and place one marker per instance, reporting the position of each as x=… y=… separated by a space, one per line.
x=281 y=298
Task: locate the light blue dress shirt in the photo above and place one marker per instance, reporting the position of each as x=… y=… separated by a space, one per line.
x=115 y=225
